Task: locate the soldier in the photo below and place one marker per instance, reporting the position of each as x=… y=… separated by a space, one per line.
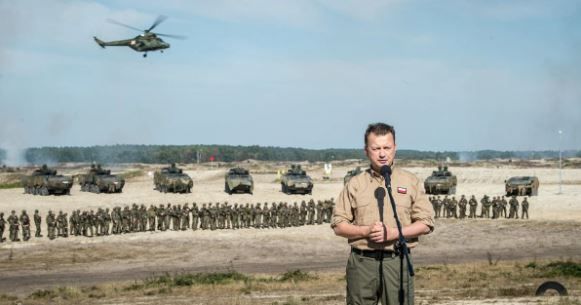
x=59 y=224
x=438 y=207
x=65 y=226
x=319 y=209
x=168 y=213
x=524 y=208
x=329 y=210
x=107 y=221
x=185 y=217
x=92 y=219
x=205 y=216
x=453 y=207
x=37 y=221
x=265 y=216
x=116 y=220
x=495 y=207
x=220 y=216
x=228 y=216
x=51 y=225
x=13 y=226
x=25 y=222
x=235 y=217
x=151 y=212
x=503 y=204
x=473 y=205
x=257 y=216
x=212 y=216
x=446 y=206
x=295 y=214
x=195 y=216
x=160 y=213
x=513 y=209
x=485 y=207
x=311 y=212
x=2 y=227
x=73 y=223
x=462 y=205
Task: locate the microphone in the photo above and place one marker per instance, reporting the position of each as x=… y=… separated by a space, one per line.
x=385 y=171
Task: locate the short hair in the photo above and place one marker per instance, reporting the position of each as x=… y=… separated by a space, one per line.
x=379 y=129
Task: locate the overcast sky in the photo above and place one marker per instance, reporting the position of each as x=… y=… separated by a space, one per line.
x=450 y=75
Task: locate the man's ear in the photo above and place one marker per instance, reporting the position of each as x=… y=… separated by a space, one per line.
x=365 y=151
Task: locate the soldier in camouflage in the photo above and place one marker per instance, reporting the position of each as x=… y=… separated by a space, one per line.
x=37 y=222
x=2 y=227
x=525 y=208
x=25 y=222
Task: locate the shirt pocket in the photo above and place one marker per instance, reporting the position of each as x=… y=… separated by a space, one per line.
x=365 y=210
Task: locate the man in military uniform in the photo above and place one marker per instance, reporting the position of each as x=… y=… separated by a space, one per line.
x=485 y=207
x=524 y=208
x=373 y=265
x=2 y=227
x=473 y=203
x=37 y=222
x=513 y=209
x=195 y=216
x=51 y=225
x=13 y=226
x=462 y=204
x=319 y=209
x=205 y=217
x=438 y=205
x=25 y=222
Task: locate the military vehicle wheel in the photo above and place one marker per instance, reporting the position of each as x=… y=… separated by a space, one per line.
x=68 y=192
x=44 y=191
x=558 y=287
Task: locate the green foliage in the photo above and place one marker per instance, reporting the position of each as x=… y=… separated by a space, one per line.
x=567 y=269
x=555 y=269
x=218 y=278
x=297 y=276
x=11 y=185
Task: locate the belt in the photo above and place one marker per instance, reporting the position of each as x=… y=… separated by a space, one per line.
x=377 y=254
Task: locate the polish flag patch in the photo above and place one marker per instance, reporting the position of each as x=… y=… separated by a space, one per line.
x=402 y=190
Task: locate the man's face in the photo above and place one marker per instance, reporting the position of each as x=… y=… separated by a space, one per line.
x=380 y=150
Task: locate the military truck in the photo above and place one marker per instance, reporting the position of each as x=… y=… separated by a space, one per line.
x=172 y=179
x=296 y=180
x=441 y=182
x=99 y=180
x=352 y=173
x=522 y=186
x=45 y=181
x=238 y=180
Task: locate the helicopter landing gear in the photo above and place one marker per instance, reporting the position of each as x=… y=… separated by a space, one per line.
x=144 y=55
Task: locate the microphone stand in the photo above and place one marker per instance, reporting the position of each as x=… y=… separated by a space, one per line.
x=400 y=246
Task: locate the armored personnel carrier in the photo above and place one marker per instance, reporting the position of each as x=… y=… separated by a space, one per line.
x=522 y=186
x=98 y=180
x=45 y=181
x=296 y=180
x=172 y=179
x=238 y=180
x=441 y=182
x=352 y=173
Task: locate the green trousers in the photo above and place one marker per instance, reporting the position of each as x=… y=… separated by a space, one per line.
x=370 y=280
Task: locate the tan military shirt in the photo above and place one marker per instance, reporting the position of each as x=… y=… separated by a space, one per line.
x=357 y=205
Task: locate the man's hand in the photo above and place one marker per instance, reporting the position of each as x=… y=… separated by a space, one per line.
x=376 y=234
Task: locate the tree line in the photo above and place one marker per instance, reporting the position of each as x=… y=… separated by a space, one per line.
x=228 y=153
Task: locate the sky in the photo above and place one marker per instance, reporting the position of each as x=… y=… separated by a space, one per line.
x=449 y=75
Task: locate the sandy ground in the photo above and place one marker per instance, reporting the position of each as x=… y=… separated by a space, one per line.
x=552 y=231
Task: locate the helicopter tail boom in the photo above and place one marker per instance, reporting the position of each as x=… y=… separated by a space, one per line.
x=99 y=42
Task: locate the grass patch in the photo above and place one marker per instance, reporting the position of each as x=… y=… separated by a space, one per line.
x=10 y=185
x=217 y=278
x=558 y=268
x=297 y=276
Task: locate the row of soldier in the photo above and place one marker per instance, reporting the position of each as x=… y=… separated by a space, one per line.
x=167 y=217
x=490 y=208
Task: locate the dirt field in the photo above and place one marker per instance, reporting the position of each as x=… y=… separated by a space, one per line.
x=552 y=232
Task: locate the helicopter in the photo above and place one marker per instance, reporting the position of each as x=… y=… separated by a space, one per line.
x=146 y=42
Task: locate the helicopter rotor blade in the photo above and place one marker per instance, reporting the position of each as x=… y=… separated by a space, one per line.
x=172 y=36
x=124 y=25
x=159 y=20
